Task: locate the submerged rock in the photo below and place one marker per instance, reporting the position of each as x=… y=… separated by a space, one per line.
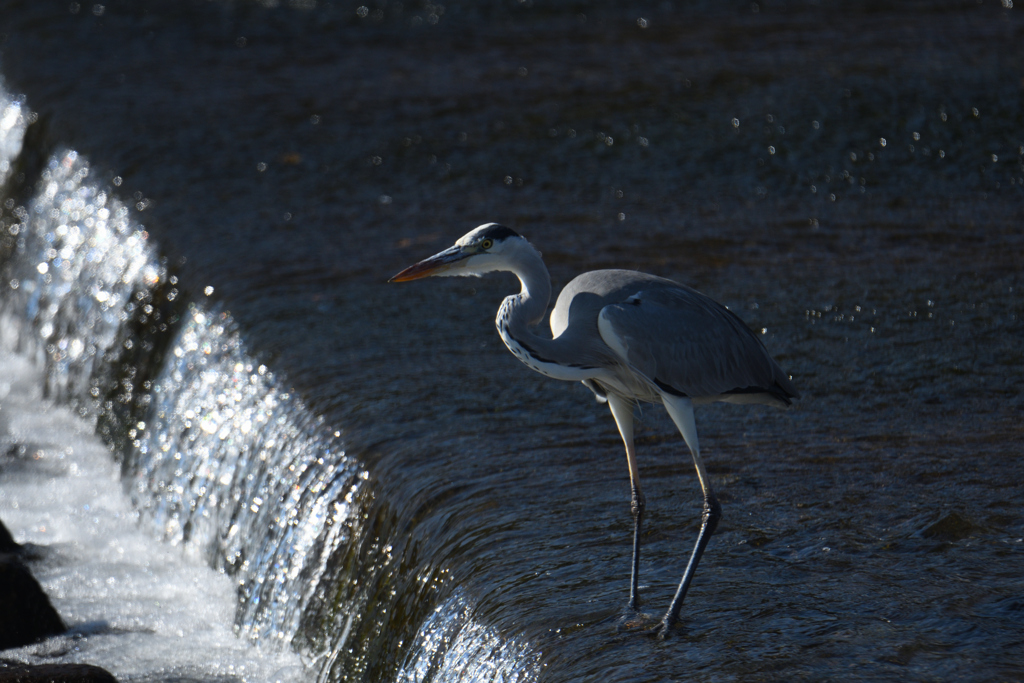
x=55 y=673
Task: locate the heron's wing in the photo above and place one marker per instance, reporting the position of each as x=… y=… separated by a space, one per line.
x=688 y=344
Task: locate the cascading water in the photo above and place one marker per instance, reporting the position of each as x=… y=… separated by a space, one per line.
x=13 y=121
x=216 y=454
x=237 y=470
x=450 y=641
x=83 y=264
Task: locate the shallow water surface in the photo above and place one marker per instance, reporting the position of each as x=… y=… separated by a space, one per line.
x=848 y=179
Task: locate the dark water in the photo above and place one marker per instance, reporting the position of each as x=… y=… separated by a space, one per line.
x=848 y=177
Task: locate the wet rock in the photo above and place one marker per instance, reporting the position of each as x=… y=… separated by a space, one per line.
x=7 y=544
x=25 y=552
x=26 y=614
x=55 y=673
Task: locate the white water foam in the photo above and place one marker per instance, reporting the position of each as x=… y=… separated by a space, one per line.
x=134 y=606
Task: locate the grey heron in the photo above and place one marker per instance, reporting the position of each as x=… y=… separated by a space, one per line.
x=628 y=337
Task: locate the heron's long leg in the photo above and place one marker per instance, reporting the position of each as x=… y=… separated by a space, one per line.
x=681 y=412
x=622 y=411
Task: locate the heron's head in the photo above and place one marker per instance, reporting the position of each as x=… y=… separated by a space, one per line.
x=484 y=249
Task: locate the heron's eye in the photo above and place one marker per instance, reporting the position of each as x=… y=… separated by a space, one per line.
x=487 y=244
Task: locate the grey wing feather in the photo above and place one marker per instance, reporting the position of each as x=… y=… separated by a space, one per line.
x=691 y=345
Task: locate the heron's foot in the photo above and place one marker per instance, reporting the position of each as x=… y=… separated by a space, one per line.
x=638 y=622
x=665 y=629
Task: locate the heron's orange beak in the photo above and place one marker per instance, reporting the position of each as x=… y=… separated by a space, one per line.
x=436 y=264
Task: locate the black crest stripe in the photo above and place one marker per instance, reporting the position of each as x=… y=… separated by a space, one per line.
x=499 y=232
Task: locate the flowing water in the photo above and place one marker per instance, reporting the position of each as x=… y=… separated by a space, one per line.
x=202 y=203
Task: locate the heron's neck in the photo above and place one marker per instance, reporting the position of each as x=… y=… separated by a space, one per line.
x=520 y=311
x=527 y=308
